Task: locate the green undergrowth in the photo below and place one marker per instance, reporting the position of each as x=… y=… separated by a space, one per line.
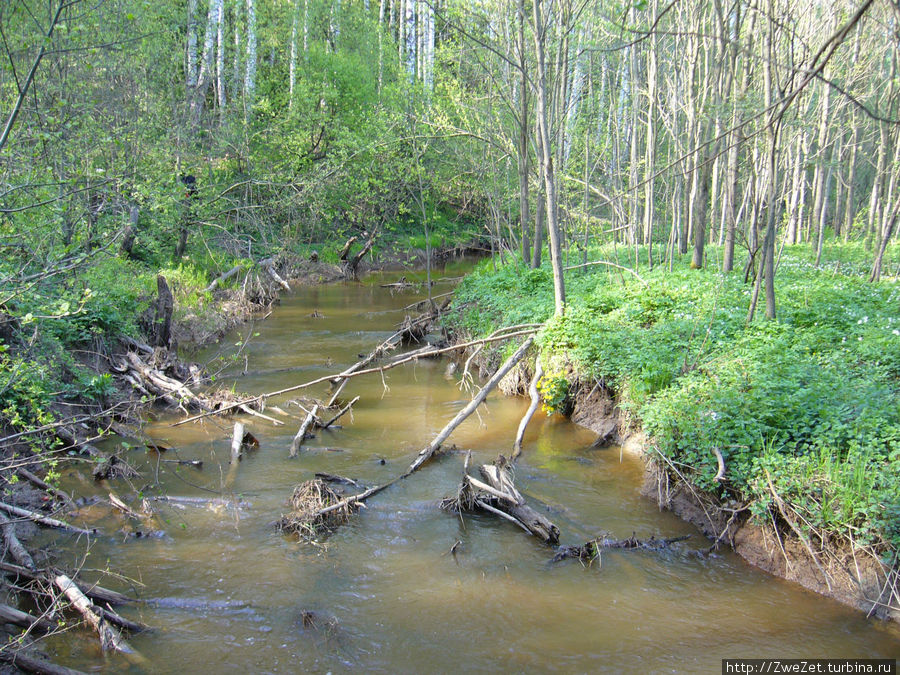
x=805 y=410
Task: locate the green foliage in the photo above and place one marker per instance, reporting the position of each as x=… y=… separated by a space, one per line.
x=807 y=408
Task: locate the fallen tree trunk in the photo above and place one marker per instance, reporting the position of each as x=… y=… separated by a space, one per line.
x=31 y=664
x=25 y=620
x=109 y=636
x=43 y=520
x=426 y=452
x=591 y=549
x=19 y=553
x=327 y=378
x=301 y=433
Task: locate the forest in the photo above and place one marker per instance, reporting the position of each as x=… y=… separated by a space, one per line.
x=697 y=201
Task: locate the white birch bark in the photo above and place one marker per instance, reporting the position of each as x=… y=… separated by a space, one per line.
x=410 y=21
x=220 y=53
x=250 y=72
x=292 y=66
x=191 y=75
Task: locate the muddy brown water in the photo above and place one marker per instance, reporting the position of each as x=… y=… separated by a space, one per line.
x=230 y=594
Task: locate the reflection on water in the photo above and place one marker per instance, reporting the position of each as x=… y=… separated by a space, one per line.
x=229 y=594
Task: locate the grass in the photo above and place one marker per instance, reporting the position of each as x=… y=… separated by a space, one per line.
x=806 y=408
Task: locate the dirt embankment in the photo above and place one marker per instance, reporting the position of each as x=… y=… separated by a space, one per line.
x=831 y=568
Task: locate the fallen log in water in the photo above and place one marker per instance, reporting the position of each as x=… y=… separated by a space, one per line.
x=93 y=591
x=497 y=494
x=44 y=520
x=110 y=639
x=309 y=519
x=19 y=553
x=591 y=549
x=25 y=620
x=345 y=374
x=31 y=664
x=304 y=429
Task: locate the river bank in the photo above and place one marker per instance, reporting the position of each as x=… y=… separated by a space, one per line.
x=778 y=439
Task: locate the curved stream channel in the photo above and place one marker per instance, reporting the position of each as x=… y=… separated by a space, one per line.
x=230 y=593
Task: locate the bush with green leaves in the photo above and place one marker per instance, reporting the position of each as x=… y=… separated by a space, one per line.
x=806 y=407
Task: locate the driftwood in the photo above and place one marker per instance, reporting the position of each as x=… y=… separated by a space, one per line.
x=498 y=495
x=19 y=553
x=345 y=506
x=43 y=520
x=25 y=620
x=110 y=639
x=426 y=452
x=535 y=401
x=46 y=487
x=304 y=428
x=31 y=664
x=170 y=389
x=591 y=549
x=343 y=411
x=93 y=591
x=255 y=400
x=225 y=276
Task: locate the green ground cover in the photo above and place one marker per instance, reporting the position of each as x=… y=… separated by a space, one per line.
x=805 y=410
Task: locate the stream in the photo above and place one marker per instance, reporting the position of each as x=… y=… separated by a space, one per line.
x=228 y=593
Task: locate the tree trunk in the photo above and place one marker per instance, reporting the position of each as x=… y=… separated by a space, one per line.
x=250 y=72
x=559 y=292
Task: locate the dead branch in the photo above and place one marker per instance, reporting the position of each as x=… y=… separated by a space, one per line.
x=340 y=414
x=43 y=520
x=426 y=452
x=19 y=553
x=301 y=432
x=93 y=591
x=535 y=401
x=109 y=636
x=345 y=374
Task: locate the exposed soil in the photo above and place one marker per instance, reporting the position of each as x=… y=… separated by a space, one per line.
x=833 y=569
